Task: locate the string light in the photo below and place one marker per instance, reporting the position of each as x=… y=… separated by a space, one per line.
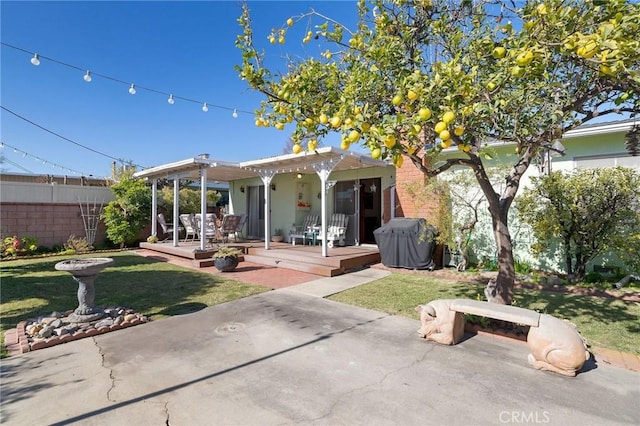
x=170 y=100
x=132 y=89
x=87 y=77
x=38 y=159
x=205 y=108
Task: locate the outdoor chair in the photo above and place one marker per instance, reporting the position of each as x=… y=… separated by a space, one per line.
x=188 y=222
x=210 y=229
x=336 y=229
x=229 y=226
x=167 y=228
x=241 y=222
x=298 y=231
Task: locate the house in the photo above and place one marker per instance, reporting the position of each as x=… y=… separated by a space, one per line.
x=588 y=146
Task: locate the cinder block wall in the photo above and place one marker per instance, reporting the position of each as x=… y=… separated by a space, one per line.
x=51 y=224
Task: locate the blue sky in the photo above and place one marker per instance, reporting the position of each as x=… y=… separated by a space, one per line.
x=184 y=48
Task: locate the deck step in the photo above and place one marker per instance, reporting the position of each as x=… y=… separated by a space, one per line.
x=296 y=265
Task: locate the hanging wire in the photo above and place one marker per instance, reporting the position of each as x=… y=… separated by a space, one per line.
x=64 y=138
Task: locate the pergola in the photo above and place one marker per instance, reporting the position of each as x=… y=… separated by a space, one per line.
x=322 y=161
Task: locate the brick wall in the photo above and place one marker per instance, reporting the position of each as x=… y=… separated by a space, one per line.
x=50 y=224
x=408 y=205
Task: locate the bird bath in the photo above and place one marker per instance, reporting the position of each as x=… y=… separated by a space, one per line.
x=85 y=271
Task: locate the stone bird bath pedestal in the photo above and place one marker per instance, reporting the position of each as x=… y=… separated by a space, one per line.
x=85 y=271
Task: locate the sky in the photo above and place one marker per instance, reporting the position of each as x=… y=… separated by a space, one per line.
x=54 y=122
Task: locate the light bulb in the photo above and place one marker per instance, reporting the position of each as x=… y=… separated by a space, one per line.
x=205 y=108
x=132 y=89
x=87 y=77
x=235 y=114
x=35 y=60
x=170 y=100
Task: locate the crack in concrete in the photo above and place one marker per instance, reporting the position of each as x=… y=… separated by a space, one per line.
x=166 y=412
x=111 y=376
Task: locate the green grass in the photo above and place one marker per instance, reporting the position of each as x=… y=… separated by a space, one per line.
x=605 y=322
x=32 y=287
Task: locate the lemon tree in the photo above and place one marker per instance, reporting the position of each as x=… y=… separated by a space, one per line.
x=420 y=78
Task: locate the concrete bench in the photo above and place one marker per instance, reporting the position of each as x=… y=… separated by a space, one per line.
x=555 y=344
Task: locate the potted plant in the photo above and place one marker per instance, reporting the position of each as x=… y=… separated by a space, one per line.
x=277 y=236
x=226 y=258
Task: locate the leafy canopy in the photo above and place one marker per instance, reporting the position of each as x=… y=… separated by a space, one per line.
x=427 y=75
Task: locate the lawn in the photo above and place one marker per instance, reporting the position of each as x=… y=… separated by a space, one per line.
x=33 y=287
x=606 y=322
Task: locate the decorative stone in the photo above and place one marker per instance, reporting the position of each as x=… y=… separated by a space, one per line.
x=46 y=331
x=48 y=320
x=554 y=280
x=60 y=331
x=104 y=323
x=130 y=317
x=119 y=319
x=56 y=323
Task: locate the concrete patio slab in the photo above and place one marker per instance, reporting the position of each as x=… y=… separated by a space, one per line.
x=287 y=357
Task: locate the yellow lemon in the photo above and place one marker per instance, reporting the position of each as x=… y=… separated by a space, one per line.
x=376 y=153
x=344 y=144
x=398 y=161
x=446 y=144
x=440 y=126
x=424 y=113
x=390 y=141
x=354 y=136
x=323 y=118
x=279 y=126
x=448 y=117
x=458 y=131
x=412 y=95
x=336 y=122
x=297 y=149
x=444 y=135
x=290 y=22
x=397 y=100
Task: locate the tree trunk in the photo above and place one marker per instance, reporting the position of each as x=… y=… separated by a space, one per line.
x=500 y=290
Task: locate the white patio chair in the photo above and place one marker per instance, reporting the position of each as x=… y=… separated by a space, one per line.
x=188 y=222
x=229 y=226
x=167 y=228
x=210 y=230
x=298 y=231
x=336 y=229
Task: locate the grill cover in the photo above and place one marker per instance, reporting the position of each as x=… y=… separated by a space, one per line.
x=406 y=243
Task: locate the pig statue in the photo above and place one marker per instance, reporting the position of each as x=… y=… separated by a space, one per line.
x=440 y=324
x=556 y=346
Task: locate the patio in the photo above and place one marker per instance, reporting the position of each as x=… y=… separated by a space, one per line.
x=302 y=258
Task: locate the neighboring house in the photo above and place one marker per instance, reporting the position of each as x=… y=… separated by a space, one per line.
x=49 y=207
x=588 y=146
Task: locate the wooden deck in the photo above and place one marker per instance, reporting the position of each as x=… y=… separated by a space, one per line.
x=282 y=255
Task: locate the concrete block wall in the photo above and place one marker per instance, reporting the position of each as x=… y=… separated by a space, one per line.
x=50 y=224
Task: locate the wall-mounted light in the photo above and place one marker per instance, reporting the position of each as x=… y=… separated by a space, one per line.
x=273 y=186
x=299 y=176
x=242 y=189
x=373 y=187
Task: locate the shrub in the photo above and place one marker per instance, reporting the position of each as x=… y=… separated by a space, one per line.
x=76 y=245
